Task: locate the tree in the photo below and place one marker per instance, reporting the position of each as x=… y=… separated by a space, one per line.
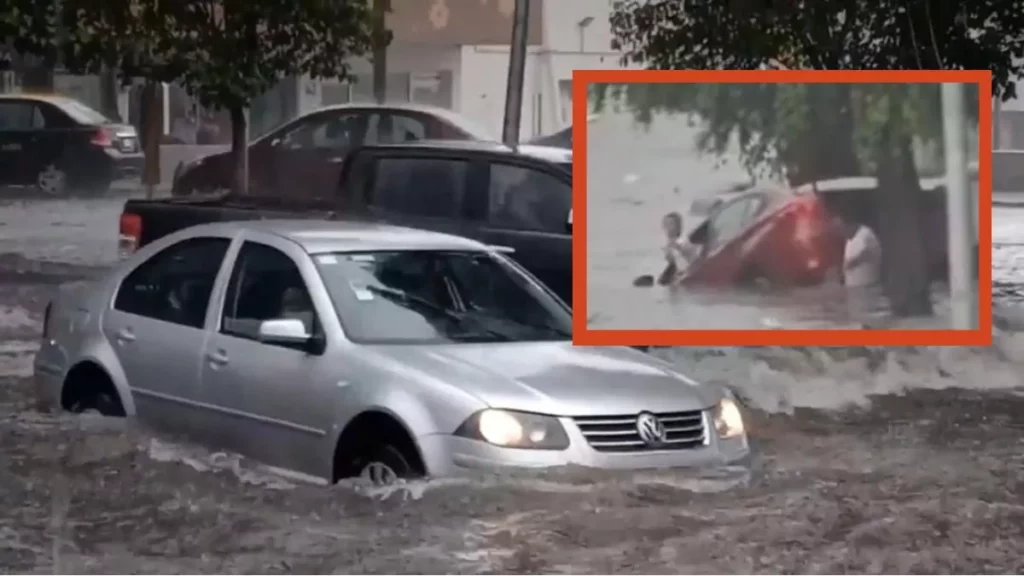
x=860 y=129
x=224 y=53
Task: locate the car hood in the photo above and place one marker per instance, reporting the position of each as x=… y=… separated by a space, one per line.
x=557 y=377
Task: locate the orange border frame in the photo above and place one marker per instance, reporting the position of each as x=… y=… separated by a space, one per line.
x=982 y=336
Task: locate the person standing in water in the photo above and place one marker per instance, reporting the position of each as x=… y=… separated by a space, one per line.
x=679 y=253
x=862 y=255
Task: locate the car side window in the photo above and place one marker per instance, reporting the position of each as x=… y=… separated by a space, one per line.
x=428 y=187
x=265 y=284
x=17 y=115
x=176 y=283
x=324 y=132
x=523 y=198
x=727 y=223
x=395 y=128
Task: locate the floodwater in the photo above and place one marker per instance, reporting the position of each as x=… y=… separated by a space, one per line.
x=634 y=177
x=870 y=460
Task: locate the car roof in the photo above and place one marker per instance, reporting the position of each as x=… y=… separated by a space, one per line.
x=450 y=116
x=38 y=96
x=320 y=236
x=547 y=153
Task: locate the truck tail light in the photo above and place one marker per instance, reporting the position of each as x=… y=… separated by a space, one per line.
x=102 y=138
x=130 y=234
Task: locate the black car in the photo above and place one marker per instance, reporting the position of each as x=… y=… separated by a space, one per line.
x=58 y=146
x=518 y=199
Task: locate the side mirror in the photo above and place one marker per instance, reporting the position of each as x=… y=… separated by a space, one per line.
x=275 y=142
x=568 y=223
x=287 y=331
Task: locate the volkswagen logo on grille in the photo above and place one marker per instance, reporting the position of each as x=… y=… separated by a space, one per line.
x=651 y=430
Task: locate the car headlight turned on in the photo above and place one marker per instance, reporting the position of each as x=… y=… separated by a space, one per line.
x=728 y=419
x=511 y=429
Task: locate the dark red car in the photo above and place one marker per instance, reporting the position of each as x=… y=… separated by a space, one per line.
x=782 y=237
x=303 y=157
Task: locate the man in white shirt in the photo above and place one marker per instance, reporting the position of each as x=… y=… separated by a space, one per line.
x=862 y=257
x=679 y=253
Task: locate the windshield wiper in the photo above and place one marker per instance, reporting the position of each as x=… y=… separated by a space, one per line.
x=438 y=310
x=423 y=303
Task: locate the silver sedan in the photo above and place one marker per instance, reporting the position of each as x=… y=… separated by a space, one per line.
x=342 y=349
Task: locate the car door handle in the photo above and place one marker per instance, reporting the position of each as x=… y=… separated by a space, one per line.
x=218 y=358
x=10 y=147
x=336 y=159
x=125 y=335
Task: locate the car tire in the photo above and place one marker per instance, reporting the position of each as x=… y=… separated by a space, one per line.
x=753 y=278
x=384 y=465
x=102 y=403
x=52 y=181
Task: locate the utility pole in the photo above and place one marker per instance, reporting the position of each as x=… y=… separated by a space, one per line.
x=959 y=210
x=516 y=73
x=380 y=50
x=997 y=111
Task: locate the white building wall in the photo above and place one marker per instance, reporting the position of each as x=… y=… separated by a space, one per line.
x=577 y=35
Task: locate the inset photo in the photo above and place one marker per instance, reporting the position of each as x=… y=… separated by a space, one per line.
x=782 y=207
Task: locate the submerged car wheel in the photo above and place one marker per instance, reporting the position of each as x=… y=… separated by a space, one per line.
x=103 y=404
x=386 y=466
x=52 y=181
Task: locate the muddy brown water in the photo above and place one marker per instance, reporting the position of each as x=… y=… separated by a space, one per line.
x=871 y=460
x=907 y=480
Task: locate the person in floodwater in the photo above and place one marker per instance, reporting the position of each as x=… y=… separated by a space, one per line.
x=679 y=253
x=862 y=255
x=862 y=269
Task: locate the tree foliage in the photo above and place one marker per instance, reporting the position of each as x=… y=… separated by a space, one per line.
x=805 y=34
x=224 y=53
x=826 y=130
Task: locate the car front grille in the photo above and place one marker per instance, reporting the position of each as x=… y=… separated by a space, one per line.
x=683 y=430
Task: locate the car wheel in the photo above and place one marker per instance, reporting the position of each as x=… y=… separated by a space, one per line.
x=103 y=404
x=52 y=181
x=754 y=278
x=385 y=466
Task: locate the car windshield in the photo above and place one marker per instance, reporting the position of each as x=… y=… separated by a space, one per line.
x=434 y=296
x=82 y=113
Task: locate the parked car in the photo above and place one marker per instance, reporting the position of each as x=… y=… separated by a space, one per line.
x=561 y=138
x=308 y=151
x=341 y=349
x=479 y=190
x=770 y=234
x=57 y=145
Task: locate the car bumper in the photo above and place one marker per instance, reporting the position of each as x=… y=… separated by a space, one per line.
x=47 y=379
x=448 y=455
x=125 y=164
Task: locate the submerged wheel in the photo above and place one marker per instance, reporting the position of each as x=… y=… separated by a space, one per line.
x=52 y=181
x=386 y=467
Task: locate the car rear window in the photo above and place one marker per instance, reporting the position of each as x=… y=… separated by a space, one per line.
x=81 y=113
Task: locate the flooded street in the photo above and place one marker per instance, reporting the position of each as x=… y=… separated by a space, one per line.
x=869 y=460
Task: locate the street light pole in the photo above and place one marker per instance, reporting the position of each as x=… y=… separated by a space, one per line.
x=516 y=74
x=959 y=210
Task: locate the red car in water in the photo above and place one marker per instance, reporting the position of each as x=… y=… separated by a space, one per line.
x=777 y=236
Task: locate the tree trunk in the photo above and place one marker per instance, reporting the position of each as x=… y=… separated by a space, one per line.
x=900 y=231
x=108 y=94
x=380 y=50
x=239 y=150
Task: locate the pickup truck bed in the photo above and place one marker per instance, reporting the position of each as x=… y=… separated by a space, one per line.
x=410 y=185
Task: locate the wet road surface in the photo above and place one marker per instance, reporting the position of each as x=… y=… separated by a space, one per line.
x=870 y=460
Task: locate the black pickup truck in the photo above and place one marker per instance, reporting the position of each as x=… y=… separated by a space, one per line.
x=519 y=199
